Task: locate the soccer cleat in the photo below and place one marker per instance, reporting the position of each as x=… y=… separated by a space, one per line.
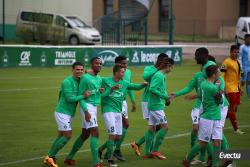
x=112 y=163
x=135 y=148
x=148 y=156
x=185 y=163
x=239 y=131
x=69 y=162
x=158 y=155
x=118 y=155
x=49 y=162
x=98 y=165
x=197 y=162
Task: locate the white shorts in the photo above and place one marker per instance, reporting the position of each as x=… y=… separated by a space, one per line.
x=209 y=129
x=93 y=120
x=113 y=122
x=124 y=109
x=144 y=108
x=224 y=110
x=63 y=121
x=195 y=115
x=157 y=118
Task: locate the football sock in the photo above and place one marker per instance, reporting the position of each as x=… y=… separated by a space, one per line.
x=209 y=149
x=215 y=159
x=193 y=152
x=94 y=149
x=193 y=138
x=149 y=136
x=141 y=140
x=54 y=143
x=119 y=142
x=76 y=146
x=233 y=119
x=58 y=145
x=104 y=146
x=110 y=146
x=159 y=138
x=224 y=144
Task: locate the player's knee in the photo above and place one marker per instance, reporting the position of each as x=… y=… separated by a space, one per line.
x=94 y=132
x=195 y=128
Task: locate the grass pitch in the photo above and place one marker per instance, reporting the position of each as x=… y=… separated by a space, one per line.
x=28 y=97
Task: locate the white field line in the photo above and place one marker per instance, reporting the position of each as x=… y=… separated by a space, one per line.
x=88 y=150
x=26 y=89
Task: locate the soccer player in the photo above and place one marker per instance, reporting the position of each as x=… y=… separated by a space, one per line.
x=122 y=60
x=65 y=111
x=148 y=72
x=158 y=98
x=112 y=108
x=210 y=126
x=245 y=63
x=231 y=71
x=90 y=82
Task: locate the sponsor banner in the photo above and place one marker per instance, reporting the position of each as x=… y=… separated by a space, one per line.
x=147 y=56
x=15 y=56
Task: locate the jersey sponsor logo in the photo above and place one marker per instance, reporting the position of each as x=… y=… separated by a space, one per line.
x=25 y=58
x=116 y=94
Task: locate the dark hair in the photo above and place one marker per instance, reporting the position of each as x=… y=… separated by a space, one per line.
x=170 y=61
x=77 y=63
x=117 y=68
x=210 y=70
x=201 y=51
x=234 y=47
x=161 y=59
x=93 y=59
x=211 y=58
x=246 y=36
x=120 y=58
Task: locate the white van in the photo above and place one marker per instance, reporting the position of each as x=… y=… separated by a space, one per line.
x=242 y=28
x=56 y=27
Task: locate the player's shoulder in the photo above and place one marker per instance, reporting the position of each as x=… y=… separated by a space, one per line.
x=151 y=67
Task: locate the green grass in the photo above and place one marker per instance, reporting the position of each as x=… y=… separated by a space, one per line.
x=28 y=126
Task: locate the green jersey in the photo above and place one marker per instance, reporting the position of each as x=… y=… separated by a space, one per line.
x=158 y=93
x=68 y=96
x=209 y=63
x=222 y=82
x=148 y=72
x=211 y=109
x=93 y=84
x=112 y=100
x=195 y=83
x=127 y=77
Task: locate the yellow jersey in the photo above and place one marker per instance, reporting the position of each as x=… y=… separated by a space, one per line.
x=231 y=74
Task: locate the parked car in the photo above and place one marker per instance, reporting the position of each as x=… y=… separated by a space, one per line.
x=55 y=27
x=242 y=28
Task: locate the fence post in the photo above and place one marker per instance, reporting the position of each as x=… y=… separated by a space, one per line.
x=194 y=24
x=3 y=29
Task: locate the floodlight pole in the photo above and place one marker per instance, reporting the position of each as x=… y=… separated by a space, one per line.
x=171 y=24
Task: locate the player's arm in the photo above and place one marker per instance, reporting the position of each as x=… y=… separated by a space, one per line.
x=132 y=86
x=155 y=87
x=82 y=89
x=191 y=85
x=69 y=94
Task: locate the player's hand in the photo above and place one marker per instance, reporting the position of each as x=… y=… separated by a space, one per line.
x=133 y=107
x=168 y=102
x=172 y=96
x=218 y=96
x=101 y=90
x=115 y=87
x=191 y=97
x=86 y=94
x=87 y=116
x=145 y=83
